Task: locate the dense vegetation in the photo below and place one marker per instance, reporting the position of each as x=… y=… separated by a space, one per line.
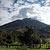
x=28 y=36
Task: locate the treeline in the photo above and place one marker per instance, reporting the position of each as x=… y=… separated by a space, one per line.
x=26 y=36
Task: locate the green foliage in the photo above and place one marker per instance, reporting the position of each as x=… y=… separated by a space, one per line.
x=8 y=39
x=44 y=41
x=16 y=43
x=28 y=36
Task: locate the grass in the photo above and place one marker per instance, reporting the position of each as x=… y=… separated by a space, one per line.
x=17 y=43
x=17 y=49
x=39 y=49
x=7 y=49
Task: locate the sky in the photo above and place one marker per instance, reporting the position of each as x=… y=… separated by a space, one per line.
x=11 y=10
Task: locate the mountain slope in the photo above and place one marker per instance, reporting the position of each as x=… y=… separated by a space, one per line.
x=23 y=23
x=46 y=29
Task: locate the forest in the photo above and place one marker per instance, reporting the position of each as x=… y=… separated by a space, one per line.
x=27 y=37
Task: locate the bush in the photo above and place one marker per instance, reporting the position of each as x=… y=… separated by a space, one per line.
x=44 y=41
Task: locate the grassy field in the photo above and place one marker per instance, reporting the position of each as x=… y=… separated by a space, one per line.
x=17 y=49
x=7 y=49
x=38 y=49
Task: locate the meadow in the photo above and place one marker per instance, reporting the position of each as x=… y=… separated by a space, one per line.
x=43 y=47
x=18 y=49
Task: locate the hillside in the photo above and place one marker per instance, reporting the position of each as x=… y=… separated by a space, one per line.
x=23 y=23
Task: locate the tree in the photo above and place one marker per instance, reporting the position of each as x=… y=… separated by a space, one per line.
x=8 y=40
x=30 y=36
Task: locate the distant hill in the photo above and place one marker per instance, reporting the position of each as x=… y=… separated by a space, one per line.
x=46 y=29
x=23 y=23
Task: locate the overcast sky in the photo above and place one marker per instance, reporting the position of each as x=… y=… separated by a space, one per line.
x=11 y=10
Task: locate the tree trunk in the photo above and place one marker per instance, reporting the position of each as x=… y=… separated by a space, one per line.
x=40 y=45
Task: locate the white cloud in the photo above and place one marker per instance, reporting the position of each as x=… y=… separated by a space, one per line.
x=27 y=10
x=45 y=15
x=4 y=15
x=31 y=0
x=21 y=1
x=42 y=13
x=6 y=3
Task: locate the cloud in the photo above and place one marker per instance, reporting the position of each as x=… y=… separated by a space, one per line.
x=40 y=13
x=18 y=9
x=32 y=0
x=6 y=3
